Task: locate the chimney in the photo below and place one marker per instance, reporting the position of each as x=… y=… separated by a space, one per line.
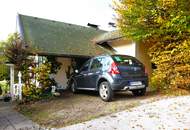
x=112 y=24
x=93 y=25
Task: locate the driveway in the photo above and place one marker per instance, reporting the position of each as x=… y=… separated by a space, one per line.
x=12 y=120
x=166 y=114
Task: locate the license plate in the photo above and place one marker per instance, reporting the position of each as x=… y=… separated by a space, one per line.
x=136 y=87
x=136 y=83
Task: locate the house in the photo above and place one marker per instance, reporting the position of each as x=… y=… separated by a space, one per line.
x=116 y=42
x=67 y=42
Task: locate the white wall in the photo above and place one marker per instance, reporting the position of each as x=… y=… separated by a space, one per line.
x=142 y=55
x=138 y=50
x=125 y=47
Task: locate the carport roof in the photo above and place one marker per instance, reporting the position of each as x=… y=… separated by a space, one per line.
x=108 y=36
x=49 y=37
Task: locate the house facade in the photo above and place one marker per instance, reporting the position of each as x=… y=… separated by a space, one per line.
x=73 y=43
x=120 y=45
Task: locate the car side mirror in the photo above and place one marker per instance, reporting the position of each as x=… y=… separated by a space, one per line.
x=76 y=71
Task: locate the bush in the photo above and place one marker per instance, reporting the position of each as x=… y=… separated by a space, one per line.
x=36 y=81
x=4 y=72
x=163 y=26
x=41 y=75
x=33 y=93
x=173 y=67
x=4 y=87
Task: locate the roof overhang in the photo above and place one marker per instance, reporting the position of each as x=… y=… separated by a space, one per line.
x=108 y=37
x=60 y=55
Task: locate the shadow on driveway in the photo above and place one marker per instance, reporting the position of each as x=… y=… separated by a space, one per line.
x=118 y=96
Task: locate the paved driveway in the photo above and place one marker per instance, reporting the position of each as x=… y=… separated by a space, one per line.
x=167 y=114
x=12 y=120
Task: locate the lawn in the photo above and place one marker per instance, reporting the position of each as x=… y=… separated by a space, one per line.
x=70 y=109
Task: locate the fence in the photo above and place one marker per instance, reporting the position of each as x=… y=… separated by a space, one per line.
x=17 y=91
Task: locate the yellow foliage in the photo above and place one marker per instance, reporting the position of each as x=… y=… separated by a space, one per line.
x=163 y=26
x=168 y=3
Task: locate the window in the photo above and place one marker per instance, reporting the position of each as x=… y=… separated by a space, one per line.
x=106 y=63
x=96 y=64
x=85 y=66
x=126 y=60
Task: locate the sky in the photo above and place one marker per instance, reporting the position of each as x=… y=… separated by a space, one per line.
x=78 y=12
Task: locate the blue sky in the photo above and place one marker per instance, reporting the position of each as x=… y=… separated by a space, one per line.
x=71 y=11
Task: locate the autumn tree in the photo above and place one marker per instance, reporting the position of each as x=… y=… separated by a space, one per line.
x=164 y=26
x=16 y=51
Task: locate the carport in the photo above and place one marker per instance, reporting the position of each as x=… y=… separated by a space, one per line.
x=70 y=44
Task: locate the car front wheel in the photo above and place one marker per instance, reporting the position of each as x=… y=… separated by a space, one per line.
x=105 y=91
x=139 y=92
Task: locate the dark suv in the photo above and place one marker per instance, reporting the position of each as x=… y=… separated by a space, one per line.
x=109 y=73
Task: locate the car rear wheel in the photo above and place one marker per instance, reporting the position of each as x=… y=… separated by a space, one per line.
x=105 y=91
x=139 y=92
x=73 y=87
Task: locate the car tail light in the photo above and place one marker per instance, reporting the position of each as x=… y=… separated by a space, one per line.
x=114 y=69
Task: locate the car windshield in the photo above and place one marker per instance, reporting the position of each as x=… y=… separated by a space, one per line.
x=126 y=60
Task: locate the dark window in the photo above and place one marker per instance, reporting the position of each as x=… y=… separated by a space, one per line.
x=96 y=64
x=85 y=66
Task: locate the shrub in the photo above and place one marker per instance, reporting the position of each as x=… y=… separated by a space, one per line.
x=4 y=87
x=164 y=27
x=4 y=72
x=38 y=74
x=36 y=81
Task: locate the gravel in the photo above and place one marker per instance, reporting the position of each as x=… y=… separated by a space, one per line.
x=167 y=114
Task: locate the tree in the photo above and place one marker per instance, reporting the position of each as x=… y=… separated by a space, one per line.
x=35 y=76
x=164 y=26
x=16 y=51
x=4 y=70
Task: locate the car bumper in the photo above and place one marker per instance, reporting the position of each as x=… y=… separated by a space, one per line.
x=126 y=84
